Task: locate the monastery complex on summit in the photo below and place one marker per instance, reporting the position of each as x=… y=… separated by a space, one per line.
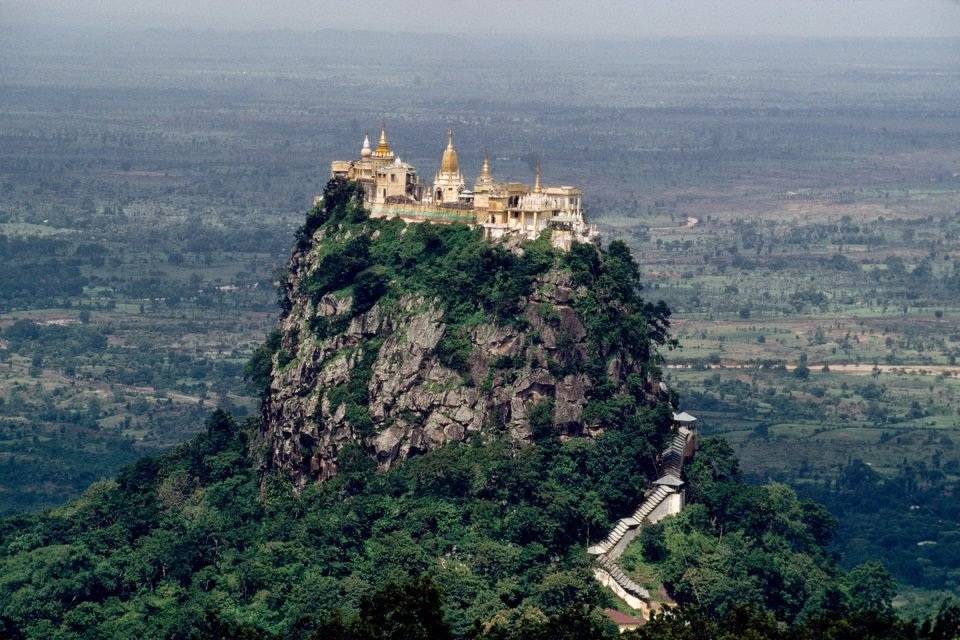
x=392 y=188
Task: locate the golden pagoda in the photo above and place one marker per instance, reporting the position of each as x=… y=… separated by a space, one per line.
x=448 y=185
x=450 y=163
x=383 y=150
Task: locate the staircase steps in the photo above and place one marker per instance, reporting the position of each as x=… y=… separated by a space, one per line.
x=616 y=534
x=672 y=457
x=671 y=463
x=651 y=503
x=625 y=524
x=623 y=579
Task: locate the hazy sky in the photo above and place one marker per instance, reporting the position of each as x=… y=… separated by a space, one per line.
x=592 y=18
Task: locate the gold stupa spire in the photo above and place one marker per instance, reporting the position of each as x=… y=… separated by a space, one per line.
x=450 y=163
x=485 y=167
x=383 y=149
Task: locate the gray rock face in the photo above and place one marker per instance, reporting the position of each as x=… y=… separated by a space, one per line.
x=414 y=402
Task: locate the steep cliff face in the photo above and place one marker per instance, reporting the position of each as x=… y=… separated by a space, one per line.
x=394 y=339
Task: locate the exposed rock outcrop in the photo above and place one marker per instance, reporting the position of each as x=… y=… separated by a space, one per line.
x=378 y=378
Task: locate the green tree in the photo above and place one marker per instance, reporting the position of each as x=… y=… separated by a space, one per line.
x=871 y=589
x=410 y=610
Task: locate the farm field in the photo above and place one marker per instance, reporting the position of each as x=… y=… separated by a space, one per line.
x=876 y=351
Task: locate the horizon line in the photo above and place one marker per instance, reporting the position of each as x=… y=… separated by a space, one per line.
x=552 y=36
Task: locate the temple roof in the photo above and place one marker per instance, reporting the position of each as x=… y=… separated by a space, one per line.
x=621 y=619
x=669 y=480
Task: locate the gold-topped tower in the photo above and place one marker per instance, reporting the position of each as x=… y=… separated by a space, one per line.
x=450 y=163
x=485 y=169
x=448 y=185
x=383 y=150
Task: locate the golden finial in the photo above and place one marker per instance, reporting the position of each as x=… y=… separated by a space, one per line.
x=485 y=167
x=383 y=147
x=449 y=162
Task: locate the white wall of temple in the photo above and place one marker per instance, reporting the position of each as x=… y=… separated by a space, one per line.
x=447 y=188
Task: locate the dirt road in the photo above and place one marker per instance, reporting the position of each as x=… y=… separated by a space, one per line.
x=853 y=369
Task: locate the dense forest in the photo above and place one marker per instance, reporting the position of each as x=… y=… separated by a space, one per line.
x=475 y=539
x=919 y=542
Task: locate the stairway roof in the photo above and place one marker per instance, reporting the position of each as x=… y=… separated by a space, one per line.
x=619 y=618
x=669 y=480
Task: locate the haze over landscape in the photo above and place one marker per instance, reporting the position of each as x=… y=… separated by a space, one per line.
x=536 y=18
x=230 y=410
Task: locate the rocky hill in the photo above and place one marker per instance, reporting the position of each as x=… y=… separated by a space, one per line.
x=400 y=338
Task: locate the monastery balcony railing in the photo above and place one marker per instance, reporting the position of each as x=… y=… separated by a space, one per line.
x=423 y=212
